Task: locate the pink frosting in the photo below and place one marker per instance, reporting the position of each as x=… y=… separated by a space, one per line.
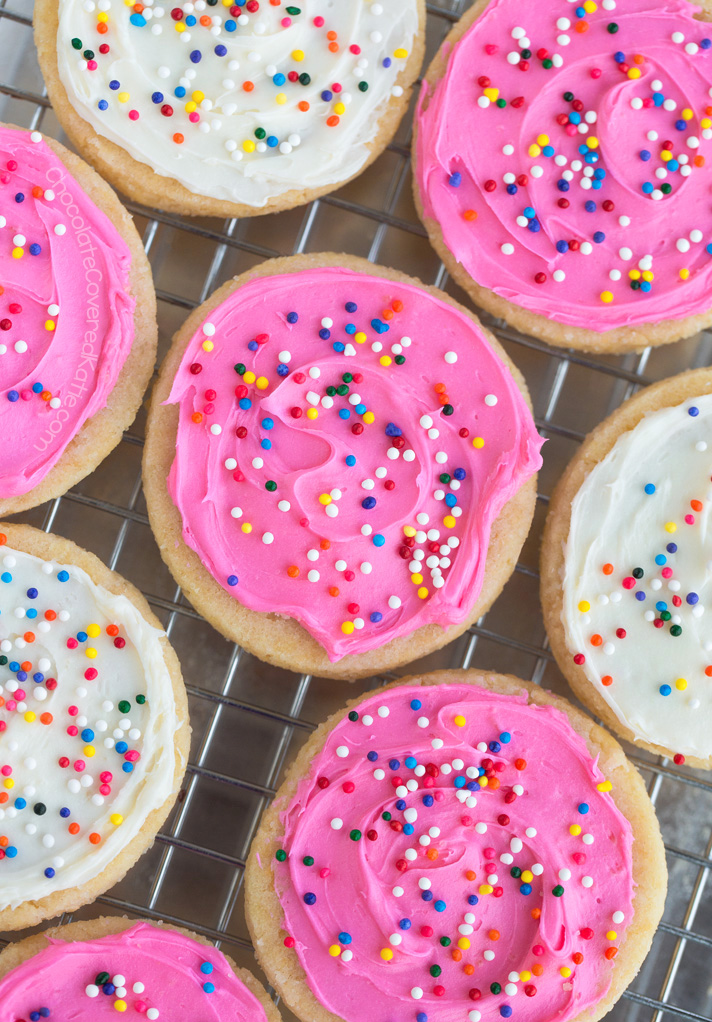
x=461 y=133
x=57 y=368
x=165 y=963
x=370 y=939
x=353 y=590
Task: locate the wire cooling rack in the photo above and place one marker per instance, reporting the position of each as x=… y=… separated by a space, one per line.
x=193 y=875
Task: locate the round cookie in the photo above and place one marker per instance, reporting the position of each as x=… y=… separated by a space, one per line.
x=554 y=869
x=279 y=498
x=165 y=969
x=229 y=111
x=94 y=726
x=623 y=572
x=502 y=158
x=78 y=327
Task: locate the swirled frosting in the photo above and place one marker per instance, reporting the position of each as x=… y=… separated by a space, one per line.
x=240 y=102
x=637 y=579
x=344 y=444
x=455 y=854
x=563 y=156
x=66 y=316
x=87 y=726
x=150 y=972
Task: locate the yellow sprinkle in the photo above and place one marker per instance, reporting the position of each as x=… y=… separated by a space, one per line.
x=360 y=337
x=648 y=275
x=525 y=976
x=482 y=781
x=687 y=114
x=423 y=592
x=408 y=530
x=17 y=253
x=180 y=27
x=334 y=950
x=124 y=97
x=386 y=954
x=606 y=297
x=611 y=935
x=681 y=684
x=460 y=721
x=117 y=819
x=102 y=16
x=592 y=142
x=527 y=876
x=246 y=527
x=574 y=829
x=706 y=123
x=190 y=107
x=339 y=108
x=249 y=377
x=634 y=274
x=400 y=53
x=684 y=274
x=478 y=442
x=542 y=140
x=248 y=145
x=449 y=522
x=30 y=716
x=416 y=579
x=584 y=606
x=198 y=96
x=604 y=786
x=666 y=155
x=634 y=72
x=670 y=527
x=565 y=971
x=280 y=98
x=93 y=631
x=347 y=627
x=312 y=413
x=324 y=499
x=89 y=751
x=464 y=944
x=90 y=652
x=298 y=55
x=385 y=360
x=534 y=150
x=120 y=1005
x=368 y=418
x=486 y=889
x=9 y=783
x=50 y=324
x=262 y=383
x=491 y=94
x=590 y=7
x=208 y=345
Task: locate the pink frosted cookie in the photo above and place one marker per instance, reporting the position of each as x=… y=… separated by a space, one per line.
x=339 y=467
x=457 y=847
x=561 y=167
x=77 y=319
x=105 y=968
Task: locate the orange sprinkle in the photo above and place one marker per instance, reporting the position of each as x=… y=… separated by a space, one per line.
x=4 y=842
x=332 y=35
x=248 y=86
x=470 y=214
x=275 y=3
x=397 y=305
x=596 y=640
x=387 y=314
x=432 y=853
x=610 y=952
x=536 y=913
x=520 y=764
x=699 y=161
x=493 y=934
x=2 y=701
x=26 y=665
x=537 y=969
x=102 y=28
x=325 y=544
x=293 y=571
x=696 y=505
x=577 y=957
x=197 y=417
x=332 y=121
x=3 y=537
x=179 y=138
x=457 y=955
x=444 y=399
x=4 y=797
x=95 y=838
x=708 y=671
x=46 y=718
x=51 y=615
x=607 y=569
x=708 y=111
x=29 y=636
x=46 y=395
x=73 y=828
x=439 y=388
x=470 y=875
x=639 y=58
x=581 y=26
x=493 y=783
x=334 y=47
x=606 y=680
x=205 y=21
x=468 y=969
x=303 y=105
x=37 y=192
x=112 y=629
x=333 y=590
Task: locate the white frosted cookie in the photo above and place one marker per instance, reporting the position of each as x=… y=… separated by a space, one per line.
x=93 y=726
x=231 y=109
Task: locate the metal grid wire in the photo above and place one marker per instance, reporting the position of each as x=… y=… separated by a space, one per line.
x=193 y=874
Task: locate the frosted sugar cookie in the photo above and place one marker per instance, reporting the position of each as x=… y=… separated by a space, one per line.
x=77 y=319
x=625 y=570
x=561 y=167
x=229 y=109
x=460 y=846
x=93 y=727
x=97 y=968
x=339 y=465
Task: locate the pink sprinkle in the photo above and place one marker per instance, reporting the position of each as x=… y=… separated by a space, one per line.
x=439 y=796
x=318 y=22
x=238 y=476
x=336 y=87
x=324 y=873
x=579 y=858
x=19 y=694
x=489 y=853
x=106 y=776
x=92 y=65
x=286 y=22
x=141 y=1007
x=466 y=821
x=353 y=48
x=690 y=519
x=571 y=129
x=72 y=643
x=132 y=756
x=596 y=72
x=491 y=48
x=629 y=582
x=538 y=950
x=6 y=771
x=666 y=572
x=5 y=179
x=72 y=730
x=73 y=711
x=676 y=601
x=26 y=395
x=3 y=725
x=105 y=789
x=133 y=115
x=194 y=117
x=79 y=765
x=91 y=673
x=11 y=704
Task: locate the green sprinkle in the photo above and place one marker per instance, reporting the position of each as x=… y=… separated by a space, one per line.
x=124 y=706
x=496 y=988
x=271 y=485
x=568 y=96
x=88 y=54
x=3 y=661
x=445 y=941
x=557 y=891
x=444 y=477
x=516 y=872
x=331 y=391
x=666 y=188
x=293 y=11
x=308 y=860
x=77 y=44
x=140 y=700
x=280 y=856
x=435 y=970
x=304 y=78
x=347 y=377
x=260 y=133
x=386 y=816
x=448 y=409
x=676 y=630
x=363 y=86
x=101 y=978
x=547 y=63
x=612 y=27
x=501 y=103
x=355 y=835
x=342 y=389
x=240 y=368
x=353 y=716
x=399 y=360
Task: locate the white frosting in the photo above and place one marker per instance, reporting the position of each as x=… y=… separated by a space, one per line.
x=33 y=749
x=212 y=160
x=614 y=521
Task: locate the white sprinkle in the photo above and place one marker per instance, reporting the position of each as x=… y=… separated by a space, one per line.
x=313 y=575
x=450 y=357
x=587 y=881
x=394 y=602
x=424 y=722
x=267 y=538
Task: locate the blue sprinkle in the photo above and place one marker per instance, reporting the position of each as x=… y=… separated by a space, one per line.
x=505 y=1011
x=22 y=675
x=196 y=56
x=646 y=286
x=415 y=704
x=460 y=782
x=292 y=317
x=665 y=690
x=37 y=388
x=82 y=636
x=455 y=179
x=13 y=395
x=562 y=246
x=63 y=576
x=157 y=97
x=394 y=764
x=505 y=738
x=220 y=50
x=599 y=174
x=575 y=118
x=191 y=20
x=378 y=540
x=326 y=95
x=583 y=808
x=38 y=678
x=87 y=735
x=393 y=430
x=368 y=502
x=376 y=616
x=138 y=20
x=32 y=594
x=619 y=57
x=705 y=44
x=673 y=165
x=6 y=577
x=583 y=150
x=495 y=747
x=428 y=800
x=179 y=92
x=338 y=347
x=309 y=898
x=512 y=189
x=351 y=307
x=230 y=25
x=599 y=237
x=209 y=988
x=645 y=155
x=421 y=1017
x=344 y=938
x=439 y=906
x=282 y=369
x=206 y=968
x=252 y=345
x=49 y=873
x=387 y=61
x=534 y=226
x=692 y=599
x=360 y=409
x=14 y=666
x=459 y=474
x=20 y=803
x=450 y=499
x=529 y=213
x=266 y=444
x=427 y=895
x=245 y=403
x=693 y=411
x=324 y=334
x=649 y=489
x=372 y=757
x=122 y=747
x=472 y=899
x=232 y=580
x=647 y=188
x=108 y=989
x=268 y=423
x=102 y=104
x=64 y=812
x=658 y=98
x=350 y=328
x=680 y=125
x=379 y=326
x=660 y=559
x=408 y=829
x=640 y=596
x=350 y=460
x=548 y=150
x=401 y=804
x=525 y=889
x=661 y=605
x=11 y=851
x=344 y=413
